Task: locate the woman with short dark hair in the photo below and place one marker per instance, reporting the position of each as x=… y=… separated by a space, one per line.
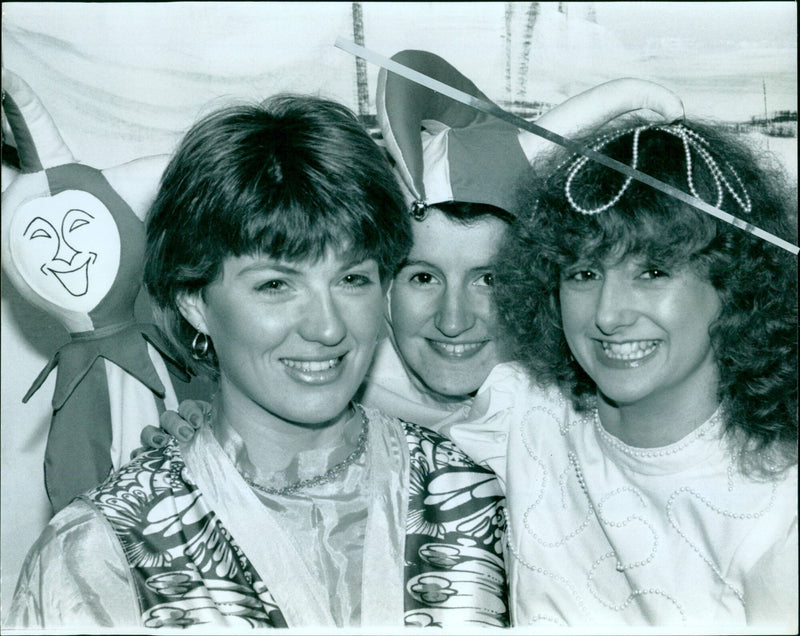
x=271 y=243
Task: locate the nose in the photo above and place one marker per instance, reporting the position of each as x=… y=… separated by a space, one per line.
x=65 y=253
x=616 y=307
x=455 y=313
x=323 y=321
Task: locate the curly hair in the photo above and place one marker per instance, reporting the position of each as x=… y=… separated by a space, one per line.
x=288 y=178
x=755 y=336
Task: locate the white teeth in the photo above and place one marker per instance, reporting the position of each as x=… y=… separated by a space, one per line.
x=633 y=350
x=310 y=366
x=457 y=349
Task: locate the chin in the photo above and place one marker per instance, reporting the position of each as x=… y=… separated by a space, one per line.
x=623 y=397
x=317 y=412
x=453 y=392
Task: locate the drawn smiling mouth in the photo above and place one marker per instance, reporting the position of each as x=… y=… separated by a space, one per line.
x=75 y=280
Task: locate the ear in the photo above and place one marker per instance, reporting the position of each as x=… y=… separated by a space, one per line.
x=193 y=308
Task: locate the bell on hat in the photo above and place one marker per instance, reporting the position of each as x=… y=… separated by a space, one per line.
x=447 y=151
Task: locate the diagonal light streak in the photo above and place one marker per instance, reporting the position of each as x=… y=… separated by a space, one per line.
x=573 y=146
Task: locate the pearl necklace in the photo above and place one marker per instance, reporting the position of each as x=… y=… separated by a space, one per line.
x=329 y=475
x=670 y=449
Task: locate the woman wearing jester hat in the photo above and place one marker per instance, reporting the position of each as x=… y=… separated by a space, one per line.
x=458 y=168
x=648 y=439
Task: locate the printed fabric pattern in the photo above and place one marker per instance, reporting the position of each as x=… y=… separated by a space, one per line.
x=188 y=570
x=454 y=539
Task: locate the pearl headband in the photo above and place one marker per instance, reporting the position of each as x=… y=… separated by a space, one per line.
x=691 y=141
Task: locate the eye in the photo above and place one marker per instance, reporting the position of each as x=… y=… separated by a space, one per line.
x=272 y=287
x=580 y=275
x=423 y=278
x=40 y=233
x=77 y=223
x=356 y=280
x=654 y=273
x=485 y=280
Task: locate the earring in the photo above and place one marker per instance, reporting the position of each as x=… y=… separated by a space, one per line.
x=419 y=209
x=200 y=346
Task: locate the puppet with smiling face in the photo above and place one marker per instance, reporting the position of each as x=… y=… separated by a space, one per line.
x=73 y=245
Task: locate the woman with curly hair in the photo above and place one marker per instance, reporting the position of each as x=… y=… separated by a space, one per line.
x=648 y=439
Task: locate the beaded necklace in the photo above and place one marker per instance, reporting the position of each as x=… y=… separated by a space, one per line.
x=710 y=424
x=329 y=475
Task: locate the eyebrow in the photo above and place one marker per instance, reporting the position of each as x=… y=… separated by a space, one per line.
x=78 y=211
x=355 y=262
x=421 y=263
x=34 y=220
x=259 y=267
x=283 y=268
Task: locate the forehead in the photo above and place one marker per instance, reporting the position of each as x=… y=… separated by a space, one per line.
x=439 y=237
x=332 y=260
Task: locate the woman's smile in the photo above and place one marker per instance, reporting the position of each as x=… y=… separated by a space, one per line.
x=456 y=350
x=314 y=371
x=629 y=354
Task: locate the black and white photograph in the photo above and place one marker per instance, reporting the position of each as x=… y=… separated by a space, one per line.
x=384 y=317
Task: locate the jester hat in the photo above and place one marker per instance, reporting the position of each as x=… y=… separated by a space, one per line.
x=445 y=151
x=73 y=245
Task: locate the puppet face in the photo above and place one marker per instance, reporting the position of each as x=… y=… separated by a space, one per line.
x=67 y=248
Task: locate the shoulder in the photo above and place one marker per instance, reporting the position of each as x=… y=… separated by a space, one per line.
x=421 y=441
x=505 y=401
x=786 y=494
x=509 y=389
x=74 y=533
x=142 y=479
x=770 y=585
x=75 y=574
x=79 y=523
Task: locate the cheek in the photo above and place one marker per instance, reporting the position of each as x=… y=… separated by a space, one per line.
x=367 y=320
x=88 y=238
x=695 y=331
x=577 y=315
x=690 y=317
x=571 y=314
x=409 y=312
x=232 y=331
x=483 y=306
x=100 y=237
x=32 y=254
